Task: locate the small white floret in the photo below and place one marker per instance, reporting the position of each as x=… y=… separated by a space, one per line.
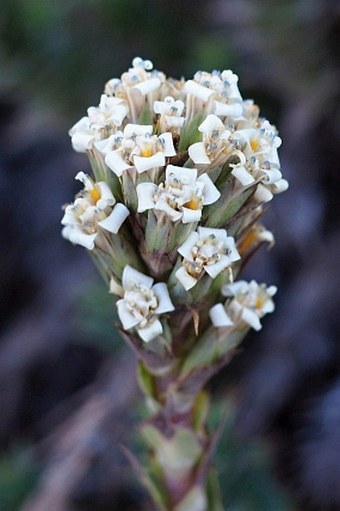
x=219 y=317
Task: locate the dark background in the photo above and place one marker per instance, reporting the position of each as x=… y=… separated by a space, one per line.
x=68 y=393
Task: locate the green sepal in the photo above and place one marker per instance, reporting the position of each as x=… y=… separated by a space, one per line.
x=152 y=478
x=190 y=133
x=157 y=232
x=176 y=455
x=128 y=181
x=102 y=172
x=200 y=410
x=145 y=117
x=211 y=347
x=213 y=491
x=146 y=380
x=115 y=255
x=222 y=211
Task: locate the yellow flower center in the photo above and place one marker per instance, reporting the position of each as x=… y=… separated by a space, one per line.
x=259 y=302
x=147 y=152
x=95 y=194
x=254 y=144
x=247 y=242
x=194 y=203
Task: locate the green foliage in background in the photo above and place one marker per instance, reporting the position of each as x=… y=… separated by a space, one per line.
x=18 y=475
x=63 y=52
x=246 y=474
x=95 y=320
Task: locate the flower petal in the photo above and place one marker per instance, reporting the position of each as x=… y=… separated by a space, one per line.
x=132 y=130
x=215 y=269
x=132 y=276
x=232 y=289
x=147 y=86
x=197 y=153
x=211 y=193
x=198 y=90
x=151 y=331
x=143 y=163
x=271 y=176
x=145 y=194
x=174 y=122
x=116 y=219
x=262 y=194
x=228 y=109
x=280 y=186
x=186 y=247
x=219 y=317
x=211 y=123
x=191 y=215
x=233 y=254
x=127 y=319
x=251 y=318
x=106 y=196
x=78 y=237
x=242 y=175
x=82 y=142
x=185 y=175
x=185 y=279
x=116 y=163
x=162 y=205
x=205 y=232
x=164 y=301
x=168 y=144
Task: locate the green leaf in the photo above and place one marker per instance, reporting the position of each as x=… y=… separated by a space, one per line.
x=145 y=116
x=200 y=410
x=176 y=455
x=190 y=133
x=222 y=211
x=211 y=347
x=214 y=492
x=145 y=380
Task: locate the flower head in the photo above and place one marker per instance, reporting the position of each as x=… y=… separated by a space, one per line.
x=182 y=195
x=247 y=303
x=170 y=114
x=94 y=208
x=137 y=147
x=139 y=86
x=207 y=250
x=142 y=303
x=100 y=123
x=220 y=89
x=215 y=138
x=258 y=160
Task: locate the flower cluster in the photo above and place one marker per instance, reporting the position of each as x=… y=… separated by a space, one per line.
x=181 y=171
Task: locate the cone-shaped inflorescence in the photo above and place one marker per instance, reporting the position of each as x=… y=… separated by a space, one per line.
x=182 y=171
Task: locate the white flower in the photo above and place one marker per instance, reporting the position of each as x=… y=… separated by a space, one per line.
x=95 y=206
x=220 y=89
x=182 y=195
x=139 y=86
x=170 y=112
x=215 y=137
x=142 y=303
x=101 y=122
x=248 y=303
x=138 y=147
x=258 y=159
x=209 y=250
x=140 y=78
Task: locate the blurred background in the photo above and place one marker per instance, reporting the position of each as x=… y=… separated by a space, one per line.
x=68 y=395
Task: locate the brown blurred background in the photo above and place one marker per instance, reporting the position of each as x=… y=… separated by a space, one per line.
x=68 y=393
